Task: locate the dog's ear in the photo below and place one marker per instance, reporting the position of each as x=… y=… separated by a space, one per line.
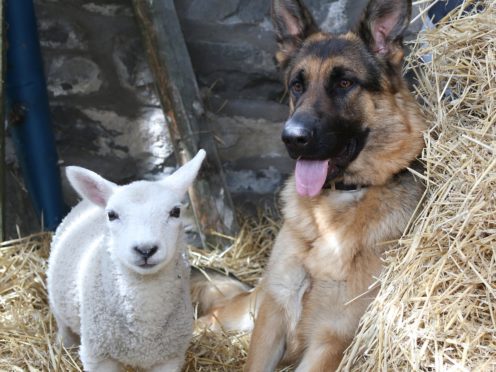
x=383 y=25
x=293 y=23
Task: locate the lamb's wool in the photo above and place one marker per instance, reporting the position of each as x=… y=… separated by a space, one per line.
x=125 y=308
x=138 y=321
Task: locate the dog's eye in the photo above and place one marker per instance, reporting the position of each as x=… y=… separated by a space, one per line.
x=112 y=216
x=175 y=212
x=345 y=83
x=297 y=88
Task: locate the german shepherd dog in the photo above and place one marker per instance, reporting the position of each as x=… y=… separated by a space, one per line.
x=354 y=129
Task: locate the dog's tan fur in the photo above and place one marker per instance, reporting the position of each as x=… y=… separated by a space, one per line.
x=328 y=252
x=326 y=256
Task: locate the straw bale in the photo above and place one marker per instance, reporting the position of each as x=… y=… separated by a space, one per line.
x=436 y=309
x=26 y=327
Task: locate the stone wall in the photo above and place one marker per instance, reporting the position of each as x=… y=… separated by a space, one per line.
x=231 y=43
x=105 y=111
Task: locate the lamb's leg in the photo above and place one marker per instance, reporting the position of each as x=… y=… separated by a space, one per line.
x=94 y=363
x=65 y=334
x=172 y=365
x=106 y=365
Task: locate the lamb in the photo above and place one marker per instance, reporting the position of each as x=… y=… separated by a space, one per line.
x=118 y=275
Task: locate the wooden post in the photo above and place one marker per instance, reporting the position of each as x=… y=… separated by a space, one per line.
x=178 y=91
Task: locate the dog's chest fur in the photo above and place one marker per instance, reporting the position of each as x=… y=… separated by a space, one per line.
x=328 y=253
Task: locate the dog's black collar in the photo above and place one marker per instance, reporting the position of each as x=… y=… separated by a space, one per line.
x=340 y=186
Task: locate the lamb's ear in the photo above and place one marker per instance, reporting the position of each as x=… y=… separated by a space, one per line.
x=182 y=178
x=90 y=186
x=293 y=23
x=383 y=25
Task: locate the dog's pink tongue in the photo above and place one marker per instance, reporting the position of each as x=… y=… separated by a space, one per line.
x=310 y=176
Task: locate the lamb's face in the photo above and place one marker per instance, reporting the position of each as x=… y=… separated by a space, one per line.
x=144 y=225
x=143 y=218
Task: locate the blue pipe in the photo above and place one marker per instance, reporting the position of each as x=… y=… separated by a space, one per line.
x=28 y=112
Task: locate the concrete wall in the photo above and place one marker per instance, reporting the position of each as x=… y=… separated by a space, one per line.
x=105 y=110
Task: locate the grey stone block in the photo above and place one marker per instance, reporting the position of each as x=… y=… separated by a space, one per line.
x=97 y=7
x=248 y=108
x=262 y=181
x=240 y=137
x=73 y=76
x=61 y=34
x=332 y=16
x=132 y=69
x=253 y=11
x=121 y=147
x=212 y=10
x=108 y=8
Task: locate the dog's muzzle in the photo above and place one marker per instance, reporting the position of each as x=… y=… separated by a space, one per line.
x=303 y=139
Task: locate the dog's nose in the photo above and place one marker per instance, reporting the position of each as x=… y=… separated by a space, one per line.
x=145 y=251
x=296 y=136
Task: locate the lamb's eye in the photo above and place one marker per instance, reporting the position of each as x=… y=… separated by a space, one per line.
x=345 y=83
x=112 y=216
x=175 y=212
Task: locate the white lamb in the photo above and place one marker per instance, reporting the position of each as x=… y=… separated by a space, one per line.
x=118 y=275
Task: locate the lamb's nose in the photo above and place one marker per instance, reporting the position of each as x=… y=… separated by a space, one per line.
x=145 y=251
